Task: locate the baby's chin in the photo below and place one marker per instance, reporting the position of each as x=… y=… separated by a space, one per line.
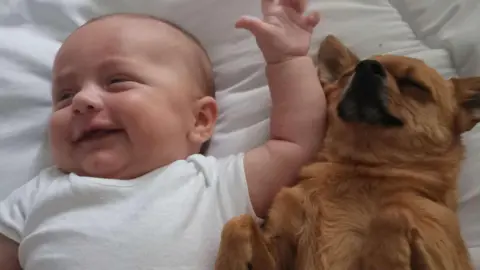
x=105 y=164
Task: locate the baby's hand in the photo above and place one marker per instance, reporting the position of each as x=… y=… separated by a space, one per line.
x=284 y=33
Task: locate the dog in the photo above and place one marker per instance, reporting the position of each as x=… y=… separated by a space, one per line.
x=382 y=192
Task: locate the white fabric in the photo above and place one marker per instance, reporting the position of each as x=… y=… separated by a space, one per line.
x=447 y=24
x=469 y=190
x=442 y=32
x=170 y=218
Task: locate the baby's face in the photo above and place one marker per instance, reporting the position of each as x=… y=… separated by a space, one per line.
x=124 y=101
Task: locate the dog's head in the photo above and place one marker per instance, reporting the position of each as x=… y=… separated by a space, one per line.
x=390 y=108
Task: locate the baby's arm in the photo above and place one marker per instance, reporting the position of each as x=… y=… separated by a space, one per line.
x=298 y=102
x=8 y=254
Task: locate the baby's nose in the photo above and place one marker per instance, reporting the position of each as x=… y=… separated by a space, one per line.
x=87 y=101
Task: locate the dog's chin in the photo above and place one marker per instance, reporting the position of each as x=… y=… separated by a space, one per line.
x=348 y=112
x=368 y=108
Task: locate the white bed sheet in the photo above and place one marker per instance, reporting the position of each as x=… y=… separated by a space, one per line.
x=442 y=32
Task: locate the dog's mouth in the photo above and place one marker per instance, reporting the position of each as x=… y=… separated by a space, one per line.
x=365 y=98
x=96 y=134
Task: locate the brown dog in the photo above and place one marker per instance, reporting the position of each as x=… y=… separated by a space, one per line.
x=382 y=193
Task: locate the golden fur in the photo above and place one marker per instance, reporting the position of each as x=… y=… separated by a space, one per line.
x=375 y=197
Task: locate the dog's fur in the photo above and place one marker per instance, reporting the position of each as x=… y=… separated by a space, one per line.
x=382 y=192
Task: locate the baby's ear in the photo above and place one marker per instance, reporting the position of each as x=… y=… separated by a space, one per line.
x=205 y=117
x=334 y=59
x=468 y=95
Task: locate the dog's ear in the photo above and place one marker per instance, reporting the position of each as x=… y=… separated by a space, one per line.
x=468 y=95
x=334 y=59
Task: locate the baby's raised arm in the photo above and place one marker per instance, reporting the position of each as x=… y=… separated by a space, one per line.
x=298 y=102
x=8 y=254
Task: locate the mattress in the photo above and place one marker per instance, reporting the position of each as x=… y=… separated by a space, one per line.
x=444 y=33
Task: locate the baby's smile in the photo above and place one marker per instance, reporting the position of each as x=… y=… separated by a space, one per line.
x=96 y=134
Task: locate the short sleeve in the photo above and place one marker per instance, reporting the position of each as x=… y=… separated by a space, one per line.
x=15 y=208
x=226 y=178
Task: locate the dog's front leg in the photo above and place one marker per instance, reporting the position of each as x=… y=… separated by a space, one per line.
x=244 y=245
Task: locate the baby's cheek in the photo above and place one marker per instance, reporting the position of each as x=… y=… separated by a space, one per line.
x=58 y=132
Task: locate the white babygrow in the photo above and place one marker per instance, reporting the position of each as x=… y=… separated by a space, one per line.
x=170 y=218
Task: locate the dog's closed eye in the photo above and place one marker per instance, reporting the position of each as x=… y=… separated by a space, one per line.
x=414 y=89
x=409 y=83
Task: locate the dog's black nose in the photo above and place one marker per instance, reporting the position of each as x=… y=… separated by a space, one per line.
x=371 y=67
x=366 y=98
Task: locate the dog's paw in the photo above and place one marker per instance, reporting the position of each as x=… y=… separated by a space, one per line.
x=236 y=244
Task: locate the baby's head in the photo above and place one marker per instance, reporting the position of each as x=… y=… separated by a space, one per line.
x=131 y=93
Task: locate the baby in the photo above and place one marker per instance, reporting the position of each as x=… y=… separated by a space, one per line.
x=132 y=106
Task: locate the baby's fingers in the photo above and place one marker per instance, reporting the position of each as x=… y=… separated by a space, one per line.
x=298 y=5
x=256 y=26
x=312 y=19
x=268 y=5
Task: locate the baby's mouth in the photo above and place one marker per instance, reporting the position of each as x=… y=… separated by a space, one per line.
x=96 y=134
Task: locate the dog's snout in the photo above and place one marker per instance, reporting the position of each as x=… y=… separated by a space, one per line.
x=365 y=99
x=372 y=67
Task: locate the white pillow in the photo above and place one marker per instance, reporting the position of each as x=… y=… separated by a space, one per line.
x=32 y=30
x=449 y=24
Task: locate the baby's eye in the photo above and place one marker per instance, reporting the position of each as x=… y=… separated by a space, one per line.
x=120 y=83
x=63 y=99
x=64 y=95
x=117 y=80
